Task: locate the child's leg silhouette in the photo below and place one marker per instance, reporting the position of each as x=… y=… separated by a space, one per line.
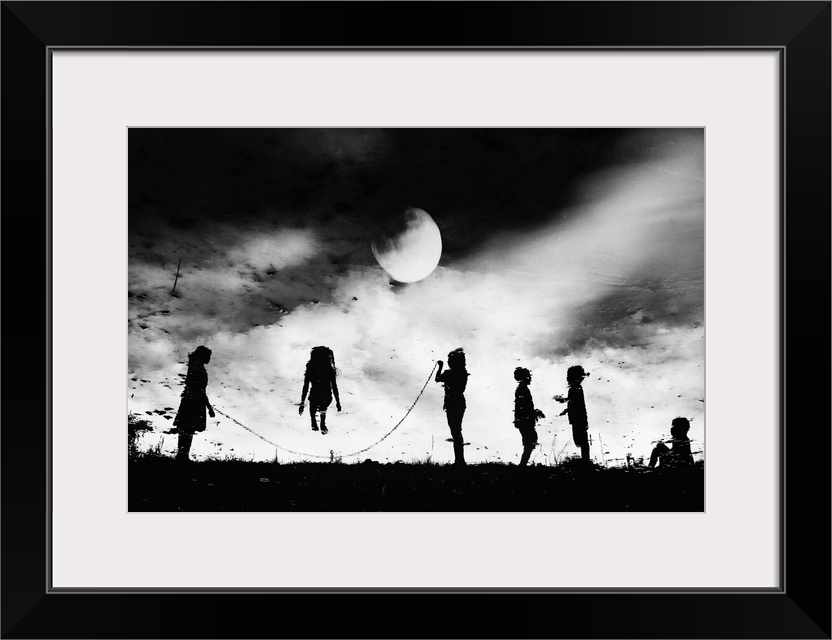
x=454 y=415
x=184 y=448
x=658 y=451
x=529 y=443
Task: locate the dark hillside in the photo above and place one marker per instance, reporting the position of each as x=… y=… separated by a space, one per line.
x=158 y=484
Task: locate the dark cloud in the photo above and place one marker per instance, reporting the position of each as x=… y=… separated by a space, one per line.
x=202 y=195
x=473 y=181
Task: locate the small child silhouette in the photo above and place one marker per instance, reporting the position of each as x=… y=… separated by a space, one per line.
x=190 y=417
x=679 y=456
x=320 y=374
x=525 y=415
x=576 y=408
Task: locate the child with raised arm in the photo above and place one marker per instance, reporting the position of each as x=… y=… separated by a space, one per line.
x=525 y=415
x=320 y=375
x=576 y=409
x=454 y=380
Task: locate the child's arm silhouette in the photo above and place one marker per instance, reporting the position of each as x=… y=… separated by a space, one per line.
x=335 y=392
x=303 y=394
x=560 y=398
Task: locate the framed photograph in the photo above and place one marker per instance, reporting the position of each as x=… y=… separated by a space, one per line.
x=487 y=308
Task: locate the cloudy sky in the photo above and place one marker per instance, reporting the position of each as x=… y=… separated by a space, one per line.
x=559 y=247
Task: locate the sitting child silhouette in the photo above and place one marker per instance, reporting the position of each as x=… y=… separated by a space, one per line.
x=679 y=456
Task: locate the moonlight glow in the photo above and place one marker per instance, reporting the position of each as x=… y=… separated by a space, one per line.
x=412 y=253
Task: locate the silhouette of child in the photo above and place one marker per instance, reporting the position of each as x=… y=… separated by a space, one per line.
x=190 y=417
x=576 y=408
x=320 y=374
x=525 y=415
x=454 y=380
x=679 y=456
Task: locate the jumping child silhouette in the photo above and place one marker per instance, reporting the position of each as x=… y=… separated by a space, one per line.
x=320 y=374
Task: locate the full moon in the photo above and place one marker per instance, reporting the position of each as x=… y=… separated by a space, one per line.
x=411 y=250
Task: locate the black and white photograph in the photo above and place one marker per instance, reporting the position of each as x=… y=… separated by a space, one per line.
x=510 y=303
x=416 y=319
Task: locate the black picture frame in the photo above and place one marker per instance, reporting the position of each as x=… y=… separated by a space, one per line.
x=799 y=608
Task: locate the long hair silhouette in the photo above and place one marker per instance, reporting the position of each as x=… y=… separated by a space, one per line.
x=321 y=363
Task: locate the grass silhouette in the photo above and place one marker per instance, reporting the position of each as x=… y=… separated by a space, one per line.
x=157 y=483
